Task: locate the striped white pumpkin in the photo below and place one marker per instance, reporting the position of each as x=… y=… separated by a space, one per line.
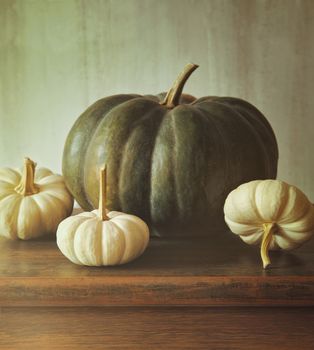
x=86 y=239
x=270 y=212
x=32 y=202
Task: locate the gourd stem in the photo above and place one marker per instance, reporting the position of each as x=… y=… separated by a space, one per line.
x=267 y=237
x=27 y=186
x=173 y=95
x=103 y=194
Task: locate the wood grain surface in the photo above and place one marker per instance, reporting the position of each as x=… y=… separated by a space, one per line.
x=156 y=328
x=223 y=255
x=221 y=272
x=46 y=302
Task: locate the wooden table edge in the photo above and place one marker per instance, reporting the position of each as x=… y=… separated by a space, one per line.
x=157 y=291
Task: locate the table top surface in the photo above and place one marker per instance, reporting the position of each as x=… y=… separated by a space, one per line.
x=222 y=270
x=223 y=256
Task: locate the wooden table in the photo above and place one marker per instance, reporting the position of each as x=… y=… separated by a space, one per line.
x=178 y=295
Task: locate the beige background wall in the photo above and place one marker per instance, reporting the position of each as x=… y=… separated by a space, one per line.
x=59 y=56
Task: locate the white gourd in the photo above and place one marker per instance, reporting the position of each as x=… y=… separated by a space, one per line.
x=271 y=213
x=32 y=203
x=101 y=238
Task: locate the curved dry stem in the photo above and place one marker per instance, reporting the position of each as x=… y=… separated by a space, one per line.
x=267 y=237
x=27 y=186
x=173 y=95
x=103 y=194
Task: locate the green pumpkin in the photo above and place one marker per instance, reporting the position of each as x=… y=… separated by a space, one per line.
x=171 y=160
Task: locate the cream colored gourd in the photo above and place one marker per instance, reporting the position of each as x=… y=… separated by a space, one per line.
x=99 y=238
x=32 y=203
x=271 y=213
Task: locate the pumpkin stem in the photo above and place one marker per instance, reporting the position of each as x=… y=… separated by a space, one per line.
x=173 y=95
x=27 y=187
x=267 y=237
x=103 y=194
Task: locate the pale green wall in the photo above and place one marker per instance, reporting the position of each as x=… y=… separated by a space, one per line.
x=57 y=57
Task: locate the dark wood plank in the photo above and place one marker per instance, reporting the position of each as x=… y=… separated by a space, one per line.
x=156 y=328
x=223 y=271
x=157 y=291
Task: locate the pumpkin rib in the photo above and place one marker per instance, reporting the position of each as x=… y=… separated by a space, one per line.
x=161 y=201
x=242 y=229
x=173 y=158
x=251 y=113
x=114 y=145
x=72 y=224
x=228 y=169
x=42 y=173
x=233 y=206
x=6 y=188
x=98 y=126
x=37 y=199
x=263 y=154
x=256 y=118
x=277 y=192
x=99 y=233
x=78 y=237
x=294 y=230
x=138 y=149
x=10 y=175
x=233 y=101
x=204 y=99
x=7 y=184
x=39 y=219
x=184 y=98
x=253 y=239
x=283 y=202
x=255 y=207
x=56 y=205
x=283 y=242
x=47 y=193
x=188 y=203
x=49 y=180
x=88 y=214
x=56 y=191
x=254 y=114
x=301 y=217
x=105 y=243
x=77 y=142
x=287 y=214
x=223 y=150
x=236 y=133
x=98 y=239
x=128 y=241
x=152 y=97
x=121 y=234
x=40 y=214
x=222 y=147
x=13 y=215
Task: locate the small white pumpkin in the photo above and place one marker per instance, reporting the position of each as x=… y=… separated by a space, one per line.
x=101 y=238
x=32 y=204
x=271 y=213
